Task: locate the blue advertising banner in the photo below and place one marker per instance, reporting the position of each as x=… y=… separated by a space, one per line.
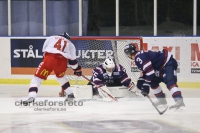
x=92 y=53
x=26 y=52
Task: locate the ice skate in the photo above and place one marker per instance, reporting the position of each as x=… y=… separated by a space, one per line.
x=161 y=101
x=70 y=97
x=27 y=102
x=179 y=105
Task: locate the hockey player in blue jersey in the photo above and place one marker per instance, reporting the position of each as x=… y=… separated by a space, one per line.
x=110 y=74
x=156 y=67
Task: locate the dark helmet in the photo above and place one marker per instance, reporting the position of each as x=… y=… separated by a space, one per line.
x=130 y=49
x=65 y=35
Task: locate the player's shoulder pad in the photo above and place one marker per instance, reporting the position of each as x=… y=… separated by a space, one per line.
x=99 y=69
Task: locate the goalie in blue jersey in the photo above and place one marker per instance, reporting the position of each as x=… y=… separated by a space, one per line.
x=110 y=74
x=157 y=67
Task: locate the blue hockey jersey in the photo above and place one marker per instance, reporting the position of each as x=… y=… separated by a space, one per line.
x=119 y=76
x=151 y=61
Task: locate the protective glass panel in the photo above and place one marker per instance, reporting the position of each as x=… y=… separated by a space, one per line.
x=198 y=18
x=175 y=17
x=62 y=16
x=136 y=17
x=101 y=18
x=26 y=18
x=3 y=17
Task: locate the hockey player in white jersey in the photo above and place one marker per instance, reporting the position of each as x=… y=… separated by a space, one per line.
x=58 y=52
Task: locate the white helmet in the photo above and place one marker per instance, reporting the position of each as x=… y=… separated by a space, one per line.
x=109 y=66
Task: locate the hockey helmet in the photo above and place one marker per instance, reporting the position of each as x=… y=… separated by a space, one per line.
x=109 y=66
x=130 y=49
x=65 y=35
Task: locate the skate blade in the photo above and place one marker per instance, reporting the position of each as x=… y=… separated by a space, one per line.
x=180 y=109
x=162 y=106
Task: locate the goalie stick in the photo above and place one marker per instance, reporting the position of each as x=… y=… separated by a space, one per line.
x=160 y=112
x=115 y=99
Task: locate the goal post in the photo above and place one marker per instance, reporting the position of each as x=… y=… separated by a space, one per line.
x=91 y=51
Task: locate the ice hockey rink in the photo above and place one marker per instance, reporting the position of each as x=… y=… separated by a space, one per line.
x=128 y=115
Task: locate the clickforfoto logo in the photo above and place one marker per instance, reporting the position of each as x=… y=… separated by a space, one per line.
x=50 y=103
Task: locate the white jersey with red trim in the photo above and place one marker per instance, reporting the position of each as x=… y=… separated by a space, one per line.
x=60 y=45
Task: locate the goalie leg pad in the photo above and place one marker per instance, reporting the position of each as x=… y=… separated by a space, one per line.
x=105 y=89
x=103 y=94
x=83 y=92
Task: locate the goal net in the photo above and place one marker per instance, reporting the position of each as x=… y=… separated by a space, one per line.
x=92 y=51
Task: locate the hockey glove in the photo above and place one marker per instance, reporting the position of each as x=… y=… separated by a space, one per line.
x=145 y=89
x=140 y=82
x=78 y=71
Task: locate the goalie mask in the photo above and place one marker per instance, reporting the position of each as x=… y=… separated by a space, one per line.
x=109 y=66
x=65 y=35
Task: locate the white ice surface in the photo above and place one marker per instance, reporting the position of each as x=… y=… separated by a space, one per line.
x=135 y=115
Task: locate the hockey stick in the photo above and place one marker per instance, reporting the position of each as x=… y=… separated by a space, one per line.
x=160 y=112
x=115 y=99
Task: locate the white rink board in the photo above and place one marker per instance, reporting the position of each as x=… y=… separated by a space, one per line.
x=181 y=47
x=182 y=51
